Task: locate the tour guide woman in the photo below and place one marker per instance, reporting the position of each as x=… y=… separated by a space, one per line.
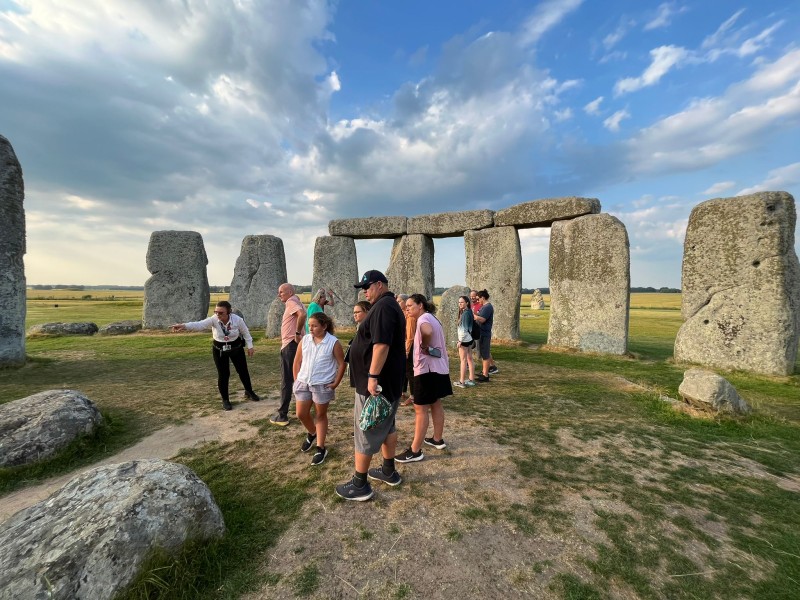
x=230 y=336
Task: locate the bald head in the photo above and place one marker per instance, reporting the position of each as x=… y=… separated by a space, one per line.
x=285 y=291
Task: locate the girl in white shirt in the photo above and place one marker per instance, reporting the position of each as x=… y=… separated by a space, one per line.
x=318 y=370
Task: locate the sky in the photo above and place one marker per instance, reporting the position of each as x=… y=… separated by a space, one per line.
x=250 y=117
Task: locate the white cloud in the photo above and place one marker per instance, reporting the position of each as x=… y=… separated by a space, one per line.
x=563 y=115
x=547 y=15
x=593 y=107
x=716 y=38
x=664 y=58
x=779 y=179
x=612 y=122
x=253 y=203
x=719 y=188
x=663 y=17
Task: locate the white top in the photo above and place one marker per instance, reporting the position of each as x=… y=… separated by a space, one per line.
x=223 y=333
x=319 y=364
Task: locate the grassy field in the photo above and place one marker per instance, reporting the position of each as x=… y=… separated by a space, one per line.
x=584 y=485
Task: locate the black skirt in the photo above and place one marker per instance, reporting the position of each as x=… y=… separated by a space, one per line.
x=430 y=387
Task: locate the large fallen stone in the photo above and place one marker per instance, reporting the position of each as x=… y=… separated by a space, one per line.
x=369 y=227
x=336 y=269
x=89 y=539
x=447 y=313
x=274 y=319
x=12 y=251
x=41 y=425
x=589 y=284
x=64 y=329
x=411 y=266
x=543 y=213
x=708 y=391
x=537 y=301
x=494 y=263
x=741 y=285
x=121 y=328
x=177 y=291
x=259 y=271
x=450 y=224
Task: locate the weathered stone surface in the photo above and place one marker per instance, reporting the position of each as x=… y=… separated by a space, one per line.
x=39 y=426
x=121 y=328
x=447 y=313
x=741 y=285
x=260 y=270
x=369 y=227
x=177 y=291
x=274 y=318
x=543 y=213
x=494 y=263
x=450 y=224
x=537 y=301
x=12 y=251
x=707 y=390
x=336 y=269
x=64 y=329
x=589 y=284
x=411 y=266
x=89 y=539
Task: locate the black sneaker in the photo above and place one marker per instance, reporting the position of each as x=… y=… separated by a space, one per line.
x=308 y=443
x=350 y=491
x=319 y=456
x=378 y=475
x=226 y=405
x=252 y=396
x=493 y=370
x=438 y=444
x=409 y=456
x=280 y=420
x=481 y=378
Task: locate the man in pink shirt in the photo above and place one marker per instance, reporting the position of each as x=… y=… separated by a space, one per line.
x=294 y=319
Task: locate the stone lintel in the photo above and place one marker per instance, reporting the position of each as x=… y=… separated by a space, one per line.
x=542 y=213
x=367 y=228
x=451 y=224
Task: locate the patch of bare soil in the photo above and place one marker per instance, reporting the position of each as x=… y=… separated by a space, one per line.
x=221 y=426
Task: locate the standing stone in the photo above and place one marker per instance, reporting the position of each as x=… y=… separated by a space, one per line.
x=274 y=319
x=260 y=270
x=537 y=301
x=741 y=285
x=12 y=249
x=494 y=263
x=336 y=268
x=177 y=291
x=589 y=284
x=411 y=266
x=447 y=313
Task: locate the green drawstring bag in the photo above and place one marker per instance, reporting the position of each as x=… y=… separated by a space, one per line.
x=376 y=410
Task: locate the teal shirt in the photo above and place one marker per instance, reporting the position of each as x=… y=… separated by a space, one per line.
x=312 y=308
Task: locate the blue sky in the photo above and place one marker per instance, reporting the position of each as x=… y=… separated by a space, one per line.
x=248 y=117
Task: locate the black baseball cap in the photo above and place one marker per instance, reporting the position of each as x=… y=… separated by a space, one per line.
x=369 y=278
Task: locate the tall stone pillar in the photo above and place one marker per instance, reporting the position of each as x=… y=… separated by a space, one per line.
x=589 y=284
x=259 y=272
x=411 y=265
x=12 y=250
x=741 y=285
x=336 y=268
x=177 y=291
x=494 y=263
x=447 y=312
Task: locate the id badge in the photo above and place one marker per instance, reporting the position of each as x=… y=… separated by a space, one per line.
x=226 y=347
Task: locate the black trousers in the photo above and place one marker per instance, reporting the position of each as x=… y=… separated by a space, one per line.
x=288 y=353
x=222 y=361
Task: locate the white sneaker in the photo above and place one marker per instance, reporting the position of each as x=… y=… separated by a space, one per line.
x=459 y=384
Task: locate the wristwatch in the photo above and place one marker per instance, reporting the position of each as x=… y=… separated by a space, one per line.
x=371 y=376
x=297 y=333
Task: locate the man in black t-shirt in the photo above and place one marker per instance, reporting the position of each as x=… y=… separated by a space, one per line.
x=377 y=362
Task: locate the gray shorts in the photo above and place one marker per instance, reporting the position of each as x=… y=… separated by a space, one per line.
x=484 y=344
x=320 y=393
x=370 y=442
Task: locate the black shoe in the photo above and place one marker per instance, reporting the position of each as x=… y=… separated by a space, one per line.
x=378 y=475
x=280 y=420
x=438 y=444
x=319 y=456
x=493 y=370
x=252 y=396
x=226 y=405
x=409 y=456
x=481 y=378
x=350 y=491
x=308 y=443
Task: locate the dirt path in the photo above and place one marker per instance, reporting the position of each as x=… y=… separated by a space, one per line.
x=165 y=443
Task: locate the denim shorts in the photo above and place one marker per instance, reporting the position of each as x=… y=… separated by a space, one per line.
x=320 y=393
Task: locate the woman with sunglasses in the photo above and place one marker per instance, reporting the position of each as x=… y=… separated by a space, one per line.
x=230 y=336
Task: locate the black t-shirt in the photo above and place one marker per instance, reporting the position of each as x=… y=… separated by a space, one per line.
x=384 y=324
